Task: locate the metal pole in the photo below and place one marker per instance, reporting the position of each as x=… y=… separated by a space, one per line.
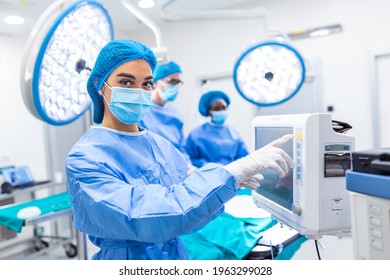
x=81 y=245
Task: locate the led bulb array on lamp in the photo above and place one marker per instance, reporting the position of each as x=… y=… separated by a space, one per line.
x=269 y=73
x=62 y=90
x=59 y=55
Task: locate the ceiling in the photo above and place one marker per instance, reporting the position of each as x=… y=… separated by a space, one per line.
x=122 y=19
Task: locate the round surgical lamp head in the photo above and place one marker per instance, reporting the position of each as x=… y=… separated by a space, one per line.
x=269 y=73
x=60 y=52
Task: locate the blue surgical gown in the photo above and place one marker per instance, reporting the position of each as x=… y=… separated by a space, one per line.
x=215 y=143
x=167 y=122
x=130 y=193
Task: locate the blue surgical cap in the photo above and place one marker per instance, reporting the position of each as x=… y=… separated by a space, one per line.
x=164 y=70
x=209 y=98
x=110 y=57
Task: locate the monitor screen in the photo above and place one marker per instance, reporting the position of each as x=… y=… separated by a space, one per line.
x=278 y=190
x=17 y=176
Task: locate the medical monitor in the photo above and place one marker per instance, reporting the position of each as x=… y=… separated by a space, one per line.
x=312 y=197
x=279 y=190
x=17 y=176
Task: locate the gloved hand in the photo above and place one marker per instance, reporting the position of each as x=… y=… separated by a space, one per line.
x=252 y=183
x=269 y=156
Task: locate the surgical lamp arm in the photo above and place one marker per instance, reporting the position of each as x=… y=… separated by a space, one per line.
x=257 y=12
x=147 y=21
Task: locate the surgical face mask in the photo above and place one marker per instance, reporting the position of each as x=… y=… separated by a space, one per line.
x=169 y=93
x=219 y=117
x=129 y=105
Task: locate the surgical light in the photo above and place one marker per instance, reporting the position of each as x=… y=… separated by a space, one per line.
x=269 y=73
x=61 y=51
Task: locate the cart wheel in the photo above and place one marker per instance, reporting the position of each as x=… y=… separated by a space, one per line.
x=41 y=244
x=70 y=250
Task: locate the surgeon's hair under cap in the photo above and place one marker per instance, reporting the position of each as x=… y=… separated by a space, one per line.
x=164 y=70
x=209 y=98
x=110 y=57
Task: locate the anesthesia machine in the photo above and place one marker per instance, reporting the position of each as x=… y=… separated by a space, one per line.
x=369 y=184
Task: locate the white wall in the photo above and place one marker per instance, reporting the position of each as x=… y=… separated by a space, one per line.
x=22 y=137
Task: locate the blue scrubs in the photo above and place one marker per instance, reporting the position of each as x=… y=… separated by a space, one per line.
x=214 y=143
x=167 y=122
x=131 y=194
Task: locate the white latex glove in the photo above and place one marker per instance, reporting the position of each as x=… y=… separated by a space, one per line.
x=267 y=157
x=252 y=183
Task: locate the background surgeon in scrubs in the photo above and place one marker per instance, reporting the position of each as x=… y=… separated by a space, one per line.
x=129 y=186
x=163 y=118
x=215 y=141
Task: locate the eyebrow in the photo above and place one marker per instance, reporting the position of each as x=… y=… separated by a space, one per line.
x=132 y=77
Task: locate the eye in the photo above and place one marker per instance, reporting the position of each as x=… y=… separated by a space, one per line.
x=126 y=83
x=148 y=85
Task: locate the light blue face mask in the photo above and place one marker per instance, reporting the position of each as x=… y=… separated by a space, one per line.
x=169 y=93
x=129 y=105
x=219 y=117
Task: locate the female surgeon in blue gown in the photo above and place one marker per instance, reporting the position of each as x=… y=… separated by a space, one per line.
x=129 y=186
x=214 y=141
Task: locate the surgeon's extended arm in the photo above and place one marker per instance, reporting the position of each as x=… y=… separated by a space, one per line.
x=107 y=207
